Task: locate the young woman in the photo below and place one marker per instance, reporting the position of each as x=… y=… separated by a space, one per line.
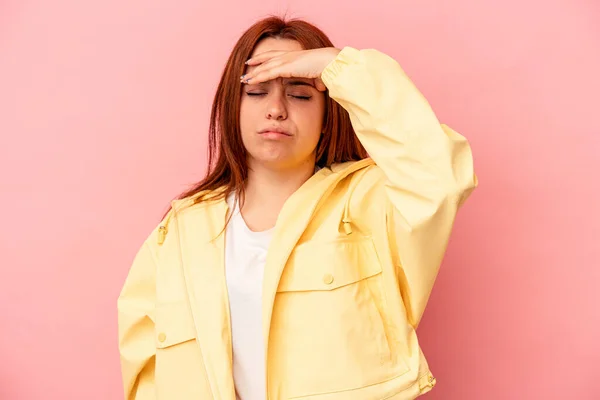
x=299 y=268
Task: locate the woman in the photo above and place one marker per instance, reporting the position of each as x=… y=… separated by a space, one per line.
x=299 y=267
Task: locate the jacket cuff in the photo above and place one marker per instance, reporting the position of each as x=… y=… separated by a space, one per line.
x=348 y=55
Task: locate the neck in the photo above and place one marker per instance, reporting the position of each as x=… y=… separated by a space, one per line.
x=267 y=185
x=267 y=189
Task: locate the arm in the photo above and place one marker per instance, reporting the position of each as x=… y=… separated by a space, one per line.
x=428 y=167
x=136 y=327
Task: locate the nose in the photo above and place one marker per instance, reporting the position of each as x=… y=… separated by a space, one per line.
x=276 y=107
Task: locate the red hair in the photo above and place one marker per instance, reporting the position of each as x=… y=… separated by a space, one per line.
x=227 y=157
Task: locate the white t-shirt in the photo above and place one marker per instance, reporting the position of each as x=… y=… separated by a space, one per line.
x=245 y=257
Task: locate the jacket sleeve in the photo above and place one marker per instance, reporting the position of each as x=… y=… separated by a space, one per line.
x=428 y=167
x=136 y=327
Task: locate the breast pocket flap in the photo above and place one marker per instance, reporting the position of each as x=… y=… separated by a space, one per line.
x=174 y=325
x=329 y=265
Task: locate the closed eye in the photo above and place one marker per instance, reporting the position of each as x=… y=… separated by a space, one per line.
x=300 y=97
x=291 y=95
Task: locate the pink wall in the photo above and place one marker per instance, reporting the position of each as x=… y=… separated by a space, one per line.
x=103 y=115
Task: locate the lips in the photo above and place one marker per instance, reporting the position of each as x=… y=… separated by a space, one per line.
x=274 y=130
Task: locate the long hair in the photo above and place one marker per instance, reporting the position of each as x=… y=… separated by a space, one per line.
x=227 y=157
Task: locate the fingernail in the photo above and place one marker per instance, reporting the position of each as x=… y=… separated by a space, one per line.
x=242 y=77
x=247 y=61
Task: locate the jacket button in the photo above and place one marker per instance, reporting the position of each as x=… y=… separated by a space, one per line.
x=328 y=279
x=162 y=337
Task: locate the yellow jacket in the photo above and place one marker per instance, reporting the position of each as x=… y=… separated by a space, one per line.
x=353 y=259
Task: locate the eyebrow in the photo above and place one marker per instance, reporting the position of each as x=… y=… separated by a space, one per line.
x=288 y=83
x=299 y=83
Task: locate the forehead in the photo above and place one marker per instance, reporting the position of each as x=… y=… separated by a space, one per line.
x=270 y=44
x=277 y=44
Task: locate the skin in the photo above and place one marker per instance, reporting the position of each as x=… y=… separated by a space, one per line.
x=281 y=119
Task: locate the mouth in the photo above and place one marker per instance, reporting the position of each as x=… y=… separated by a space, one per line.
x=274 y=132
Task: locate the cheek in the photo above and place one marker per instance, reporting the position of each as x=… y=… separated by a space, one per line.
x=311 y=122
x=247 y=118
x=245 y=113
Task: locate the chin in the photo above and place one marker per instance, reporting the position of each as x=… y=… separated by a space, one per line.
x=277 y=157
x=275 y=163
x=274 y=160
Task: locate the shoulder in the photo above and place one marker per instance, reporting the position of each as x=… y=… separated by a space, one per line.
x=360 y=175
x=362 y=186
x=183 y=210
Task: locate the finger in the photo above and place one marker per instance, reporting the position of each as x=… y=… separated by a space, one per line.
x=270 y=63
x=267 y=65
x=269 y=74
x=263 y=57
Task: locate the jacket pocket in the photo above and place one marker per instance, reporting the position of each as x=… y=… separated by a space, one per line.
x=329 y=316
x=328 y=266
x=174 y=325
x=179 y=368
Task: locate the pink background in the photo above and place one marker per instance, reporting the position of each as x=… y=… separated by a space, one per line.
x=103 y=115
